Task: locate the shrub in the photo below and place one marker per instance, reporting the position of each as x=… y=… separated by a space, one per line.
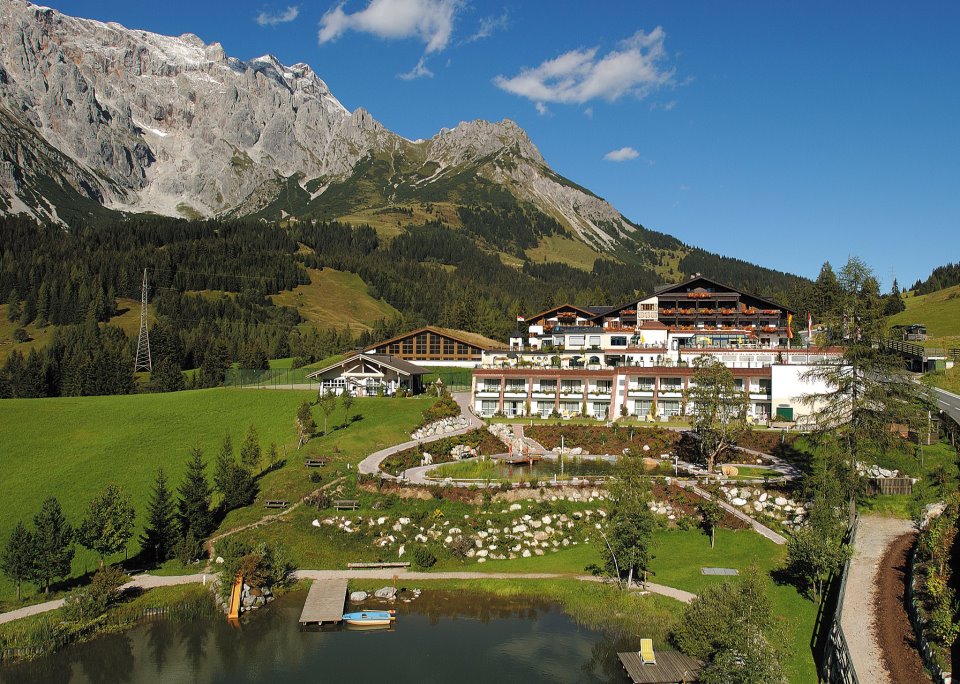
x=423 y=557
x=459 y=547
x=315 y=477
x=92 y=601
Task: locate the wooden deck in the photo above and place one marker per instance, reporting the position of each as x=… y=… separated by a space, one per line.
x=324 y=602
x=672 y=667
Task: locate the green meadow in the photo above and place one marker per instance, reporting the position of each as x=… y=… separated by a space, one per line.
x=72 y=447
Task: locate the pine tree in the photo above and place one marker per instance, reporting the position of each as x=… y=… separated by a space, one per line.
x=161 y=532
x=166 y=376
x=250 y=452
x=193 y=507
x=866 y=388
x=13 y=306
x=53 y=540
x=19 y=556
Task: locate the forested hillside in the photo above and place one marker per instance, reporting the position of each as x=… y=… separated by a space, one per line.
x=942 y=277
x=213 y=288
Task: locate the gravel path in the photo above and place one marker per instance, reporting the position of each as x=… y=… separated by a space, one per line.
x=860 y=617
x=150 y=581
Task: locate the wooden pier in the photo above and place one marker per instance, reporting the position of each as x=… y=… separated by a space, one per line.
x=325 y=602
x=518 y=459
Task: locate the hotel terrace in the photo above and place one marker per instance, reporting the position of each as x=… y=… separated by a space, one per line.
x=637 y=359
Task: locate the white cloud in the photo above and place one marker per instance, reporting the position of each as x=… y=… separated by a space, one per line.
x=542 y=109
x=588 y=112
x=266 y=18
x=489 y=26
x=431 y=21
x=418 y=71
x=634 y=68
x=621 y=155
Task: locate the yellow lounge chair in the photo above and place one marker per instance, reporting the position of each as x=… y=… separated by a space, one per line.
x=647 y=656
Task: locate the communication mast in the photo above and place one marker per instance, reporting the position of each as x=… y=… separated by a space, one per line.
x=143 y=361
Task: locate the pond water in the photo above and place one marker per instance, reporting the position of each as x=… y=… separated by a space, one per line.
x=439 y=637
x=544 y=470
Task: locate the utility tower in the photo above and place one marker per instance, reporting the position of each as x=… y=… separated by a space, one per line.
x=143 y=362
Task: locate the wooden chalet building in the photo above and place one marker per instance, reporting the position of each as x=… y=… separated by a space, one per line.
x=370 y=375
x=434 y=346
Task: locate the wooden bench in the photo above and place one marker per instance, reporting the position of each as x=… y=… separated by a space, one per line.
x=355 y=566
x=315 y=462
x=346 y=504
x=275 y=503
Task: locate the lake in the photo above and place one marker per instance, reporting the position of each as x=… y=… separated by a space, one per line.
x=440 y=637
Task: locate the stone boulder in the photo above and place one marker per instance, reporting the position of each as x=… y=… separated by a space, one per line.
x=386 y=593
x=358 y=596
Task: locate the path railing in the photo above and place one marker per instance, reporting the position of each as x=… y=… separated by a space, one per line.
x=836 y=664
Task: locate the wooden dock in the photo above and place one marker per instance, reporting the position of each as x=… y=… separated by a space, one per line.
x=325 y=602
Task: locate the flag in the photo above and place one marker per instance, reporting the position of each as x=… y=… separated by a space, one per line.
x=809 y=326
x=520 y=318
x=789 y=325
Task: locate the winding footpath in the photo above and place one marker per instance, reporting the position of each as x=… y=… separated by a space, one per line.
x=146 y=581
x=371 y=464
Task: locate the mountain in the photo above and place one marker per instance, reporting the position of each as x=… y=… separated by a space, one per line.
x=98 y=119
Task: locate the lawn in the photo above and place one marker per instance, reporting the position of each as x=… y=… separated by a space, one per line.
x=336 y=299
x=73 y=447
x=679 y=555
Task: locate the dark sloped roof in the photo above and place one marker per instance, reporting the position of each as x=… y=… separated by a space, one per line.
x=384 y=359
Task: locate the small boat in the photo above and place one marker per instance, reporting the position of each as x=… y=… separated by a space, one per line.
x=371 y=618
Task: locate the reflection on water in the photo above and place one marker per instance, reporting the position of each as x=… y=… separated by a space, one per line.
x=440 y=637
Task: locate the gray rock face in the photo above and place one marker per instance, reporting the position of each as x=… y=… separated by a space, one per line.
x=142 y=122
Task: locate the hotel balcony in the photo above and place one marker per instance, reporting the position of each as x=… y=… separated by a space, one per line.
x=640 y=390
x=548 y=392
x=514 y=393
x=488 y=392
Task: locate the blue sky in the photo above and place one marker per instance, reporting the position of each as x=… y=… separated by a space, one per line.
x=784 y=133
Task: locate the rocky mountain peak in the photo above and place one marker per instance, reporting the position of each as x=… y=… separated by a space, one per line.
x=470 y=140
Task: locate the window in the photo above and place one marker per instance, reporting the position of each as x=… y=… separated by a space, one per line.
x=575 y=340
x=571 y=386
x=603 y=387
x=671 y=385
x=594 y=340
x=641 y=407
x=448 y=347
x=645 y=384
x=434 y=345
x=600 y=409
x=408 y=346
x=516 y=386
x=488 y=408
x=618 y=341
x=491 y=386
x=670 y=408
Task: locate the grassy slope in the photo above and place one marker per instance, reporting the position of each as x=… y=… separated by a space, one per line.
x=123 y=439
x=335 y=299
x=939 y=311
x=565 y=249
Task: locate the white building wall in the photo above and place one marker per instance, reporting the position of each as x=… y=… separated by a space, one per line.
x=788 y=386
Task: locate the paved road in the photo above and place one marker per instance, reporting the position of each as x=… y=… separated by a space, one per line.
x=948 y=402
x=371 y=464
x=859 y=618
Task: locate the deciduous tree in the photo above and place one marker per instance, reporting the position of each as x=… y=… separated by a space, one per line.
x=250 y=452
x=306 y=425
x=108 y=524
x=718 y=407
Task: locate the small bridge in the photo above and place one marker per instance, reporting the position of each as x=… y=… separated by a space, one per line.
x=918 y=357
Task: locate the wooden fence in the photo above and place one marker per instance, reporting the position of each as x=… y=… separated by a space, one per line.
x=890 y=485
x=836 y=665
